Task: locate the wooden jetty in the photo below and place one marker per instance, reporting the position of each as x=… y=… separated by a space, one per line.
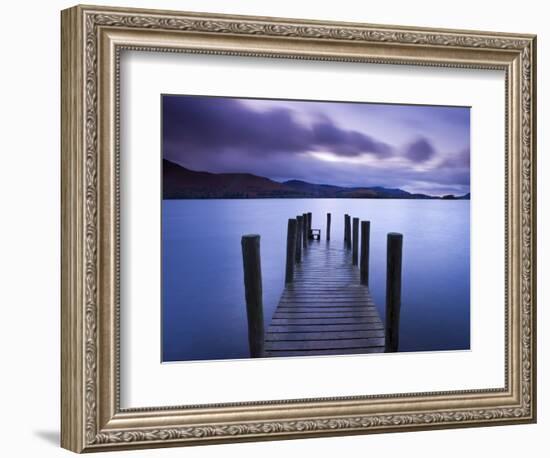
x=325 y=307
x=325 y=310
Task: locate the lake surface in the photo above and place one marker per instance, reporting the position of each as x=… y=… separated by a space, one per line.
x=203 y=306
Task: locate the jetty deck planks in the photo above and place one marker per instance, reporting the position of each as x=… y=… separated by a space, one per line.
x=325 y=310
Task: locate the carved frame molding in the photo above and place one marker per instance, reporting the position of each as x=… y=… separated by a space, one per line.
x=92 y=39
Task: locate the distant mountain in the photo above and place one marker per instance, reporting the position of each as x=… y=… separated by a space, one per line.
x=328 y=191
x=304 y=186
x=453 y=197
x=395 y=193
x=182 y=183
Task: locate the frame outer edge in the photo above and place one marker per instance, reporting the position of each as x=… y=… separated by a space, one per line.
x=72 y=251
x=81 y=419
x=533 y=253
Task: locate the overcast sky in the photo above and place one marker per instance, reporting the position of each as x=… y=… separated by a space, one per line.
x=417 y=148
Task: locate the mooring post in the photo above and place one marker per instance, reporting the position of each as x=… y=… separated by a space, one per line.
x=299 y=233
x=290 y=250
x=304 y=229
x=355 y=252
x=347 y=231
x=328 y=226
x=365 y=252
x=309 y=218
x=393 y=290
x=253 y=293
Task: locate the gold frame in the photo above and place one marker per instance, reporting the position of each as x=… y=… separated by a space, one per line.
x=92 y=39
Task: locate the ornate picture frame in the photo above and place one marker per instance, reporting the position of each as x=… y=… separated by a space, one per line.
x=92 y=41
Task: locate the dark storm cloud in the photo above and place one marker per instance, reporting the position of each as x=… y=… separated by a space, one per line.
x=201 y=124
x=209 y=126
x=420 y=150
x=347 y=142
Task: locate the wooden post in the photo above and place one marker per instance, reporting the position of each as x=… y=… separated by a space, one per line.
x=393 y=290
x=328 y=226
x=345 y=227
x=309 y=218
x=355 y=252
x=299 y=233
x=365 y=252
x=347 y=231
x=253 y=293
x=290 y=250
x=304 y=230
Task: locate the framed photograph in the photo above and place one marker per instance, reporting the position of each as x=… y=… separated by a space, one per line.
x=277 y=228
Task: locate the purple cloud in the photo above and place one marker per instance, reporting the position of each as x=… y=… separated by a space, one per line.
x=420 y=150
x=213 y=125
x=346 y=142
x=208 y=124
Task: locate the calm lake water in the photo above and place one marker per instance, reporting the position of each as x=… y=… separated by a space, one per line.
x=203 y=307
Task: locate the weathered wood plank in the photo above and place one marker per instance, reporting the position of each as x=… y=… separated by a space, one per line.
x=327 y=303
x=328 y=294
x=321 y=277
x=325 y=310
x=312 y=321
x=324 y=327
x=322 y=316
x=333 y=308
x=326 y=280
x=327 y=297
x=324 y=344
x=326 y=307
x=338 y=299
x=337 y=352
x=315 y=283
x=327 y=335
